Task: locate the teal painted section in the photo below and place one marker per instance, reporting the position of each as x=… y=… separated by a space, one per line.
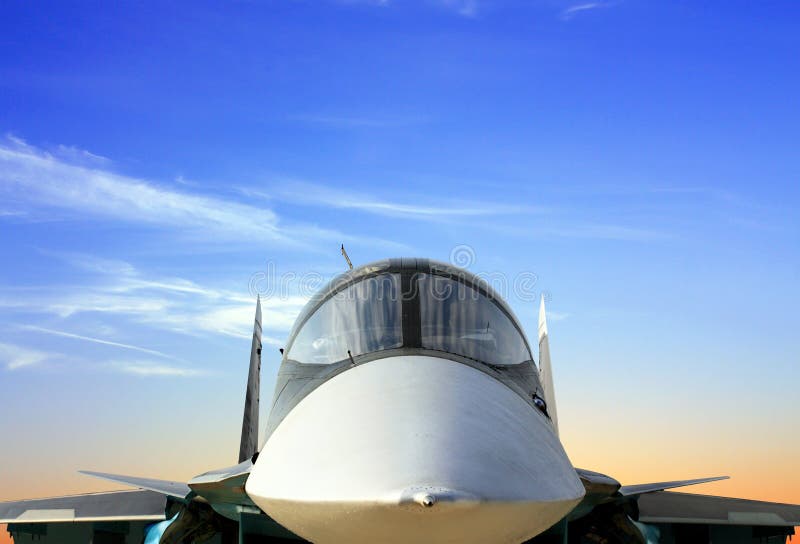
x=651 y=533
x=154 y=532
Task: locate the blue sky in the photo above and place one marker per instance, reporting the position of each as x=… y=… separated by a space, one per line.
x=639 y=158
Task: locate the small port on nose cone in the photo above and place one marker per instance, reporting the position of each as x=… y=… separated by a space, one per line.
x=425 y=499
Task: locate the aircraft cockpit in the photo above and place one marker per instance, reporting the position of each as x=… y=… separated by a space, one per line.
x=403 y=310
x=410 y=305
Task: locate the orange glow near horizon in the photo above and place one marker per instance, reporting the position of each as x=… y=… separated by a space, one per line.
x=761 y=468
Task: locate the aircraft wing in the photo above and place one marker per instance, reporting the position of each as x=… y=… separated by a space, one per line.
x=109 y=506
x=670 y=507
x=173 y=489
x=638 y=489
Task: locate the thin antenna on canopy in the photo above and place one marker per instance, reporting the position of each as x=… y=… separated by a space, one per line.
x=346 y=258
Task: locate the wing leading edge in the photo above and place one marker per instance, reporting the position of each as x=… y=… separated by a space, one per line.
x=631 y=490
x=177 y=490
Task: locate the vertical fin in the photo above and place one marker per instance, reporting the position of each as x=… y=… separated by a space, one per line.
x=545 y=370
x=249 y=444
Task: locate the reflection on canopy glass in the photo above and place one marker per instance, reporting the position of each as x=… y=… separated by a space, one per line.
x=451 y=317
x=458 y=319
x=362 y=318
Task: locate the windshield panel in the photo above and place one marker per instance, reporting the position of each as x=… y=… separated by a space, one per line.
x=458 y=319
x=363 y=318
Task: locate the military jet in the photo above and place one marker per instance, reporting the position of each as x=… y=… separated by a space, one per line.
x=408 y=408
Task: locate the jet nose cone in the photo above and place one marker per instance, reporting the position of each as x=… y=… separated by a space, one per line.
x=414 y=448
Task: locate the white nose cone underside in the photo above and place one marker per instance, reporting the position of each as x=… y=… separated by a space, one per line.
x=414 y=449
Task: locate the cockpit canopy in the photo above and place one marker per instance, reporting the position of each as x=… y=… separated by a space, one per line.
x=407 y=303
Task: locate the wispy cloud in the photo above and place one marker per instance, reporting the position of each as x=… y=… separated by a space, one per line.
x=318 y=195
x=92 y=263
x=235 y=320
x=552 y=222
x=150 y=368
x=379 y=3
x=465 y=8
x=15 y=357
x=128 y=279
x=73 y=336
x=11 y=213
x=171 y=304
x=46 y=182
x=106 y=297
x=46 y=179
x=577 y=9
x=81 y=156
